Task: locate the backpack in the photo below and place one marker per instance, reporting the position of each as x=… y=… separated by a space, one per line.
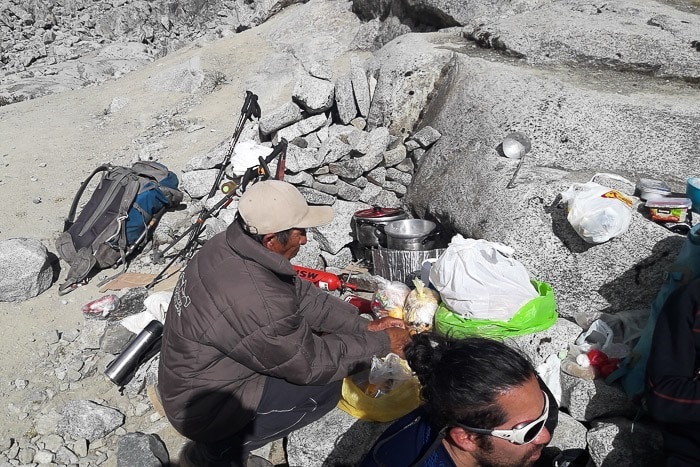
x=685 y=268
x=117 y=219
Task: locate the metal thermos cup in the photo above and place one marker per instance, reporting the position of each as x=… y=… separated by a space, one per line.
x=124 y=366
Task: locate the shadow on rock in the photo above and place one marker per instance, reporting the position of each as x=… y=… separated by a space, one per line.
x=644 y=277
x=353 y=445
x=563 y=230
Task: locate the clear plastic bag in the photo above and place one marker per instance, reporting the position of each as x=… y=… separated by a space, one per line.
x=389 y=298
x=386 y=374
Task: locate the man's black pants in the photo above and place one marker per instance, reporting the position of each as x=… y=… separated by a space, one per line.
x=284 y=407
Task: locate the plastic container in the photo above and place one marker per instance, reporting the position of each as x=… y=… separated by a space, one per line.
x=650 y=189
x=669 y=209
x=693 y=192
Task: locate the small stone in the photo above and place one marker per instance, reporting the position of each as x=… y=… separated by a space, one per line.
x=26 y=455
x=43 y=457
x=21 y=383
x=80 y=447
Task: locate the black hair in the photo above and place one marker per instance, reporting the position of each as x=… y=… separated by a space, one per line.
x=461 y=378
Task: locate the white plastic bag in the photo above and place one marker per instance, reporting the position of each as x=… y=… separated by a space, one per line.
x=246 y=154
x=596 y=212
x=478 y=279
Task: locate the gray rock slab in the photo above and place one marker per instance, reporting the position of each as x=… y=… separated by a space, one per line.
x=387 y=199
x=25 y=269
x=648 y=37
x=588 y=400
x=336 y=439
x=394 y=187
x=65 y=456
x=197 y=183
x=332 y=150
x=301 y=178
x=316 y=197
x=396 y=175
x=313 y=94
x=348 y=192
x=406 y=165
x=540 y=345
x=286 y=115
x=86 y=419
x=409 y=71
x=426 y=136
x=377 y=142
x=300 y=128
x=115 y=338
x=586 y=124
x=93 y=330
x=569 y=433
x=620 y=441
x=319 y=69
x=299 y=159
x=395 y=156
x=326 y=178
x=334 y=236
x=345 y=99
x=141 y=450
x=360 y=86
x=331 y=189
x=371 y=193
x=346 y=169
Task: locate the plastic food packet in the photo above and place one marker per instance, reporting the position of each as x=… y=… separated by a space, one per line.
x=386 y=374
x=420 y=307
x=101 y=307
x=389 y=298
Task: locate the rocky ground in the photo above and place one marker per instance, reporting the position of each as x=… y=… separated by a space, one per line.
x=588 y=95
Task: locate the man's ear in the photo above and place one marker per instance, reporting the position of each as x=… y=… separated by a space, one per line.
x=267 y=238
x=465 y=440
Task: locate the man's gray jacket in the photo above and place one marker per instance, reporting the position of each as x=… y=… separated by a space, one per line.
x=238 y=314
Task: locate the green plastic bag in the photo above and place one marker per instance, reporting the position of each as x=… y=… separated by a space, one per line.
x=536 y=315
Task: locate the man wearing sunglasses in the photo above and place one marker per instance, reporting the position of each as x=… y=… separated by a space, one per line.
x=250 y=352
x=484 y=406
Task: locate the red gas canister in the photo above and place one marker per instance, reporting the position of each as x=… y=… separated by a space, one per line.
x=363 y=305
x=321 y=279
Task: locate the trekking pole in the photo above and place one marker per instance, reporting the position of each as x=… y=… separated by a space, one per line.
x=250 y=109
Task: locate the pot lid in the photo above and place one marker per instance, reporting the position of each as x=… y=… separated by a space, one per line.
x=377 y=213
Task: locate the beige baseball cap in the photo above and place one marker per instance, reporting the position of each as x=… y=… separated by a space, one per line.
x=272 y=206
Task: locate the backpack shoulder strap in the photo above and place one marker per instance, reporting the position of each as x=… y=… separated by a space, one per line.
x=74 y=206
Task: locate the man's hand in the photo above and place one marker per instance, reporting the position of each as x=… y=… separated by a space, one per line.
x=385 y=323
x=398 y=339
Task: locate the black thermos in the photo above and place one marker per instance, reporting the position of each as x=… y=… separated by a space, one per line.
x=121 y=369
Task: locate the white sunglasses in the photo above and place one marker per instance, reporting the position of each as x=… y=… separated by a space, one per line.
x=523 y=435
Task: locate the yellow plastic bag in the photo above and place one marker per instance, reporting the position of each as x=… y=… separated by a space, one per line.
x=395 y=404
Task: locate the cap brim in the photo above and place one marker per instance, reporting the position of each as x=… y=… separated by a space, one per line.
x=316 y=216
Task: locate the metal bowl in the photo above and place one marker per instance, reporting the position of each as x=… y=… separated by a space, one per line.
x=516 y=145
x=409 y=228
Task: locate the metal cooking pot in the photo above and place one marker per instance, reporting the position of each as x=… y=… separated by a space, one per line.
x=368 y=224
x=410 y=234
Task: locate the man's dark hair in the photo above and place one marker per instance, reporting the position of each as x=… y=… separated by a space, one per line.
x=461 y=378
x=282 y=236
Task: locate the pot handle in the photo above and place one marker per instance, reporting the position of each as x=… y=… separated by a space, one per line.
x=427 y=238
x=380 y=233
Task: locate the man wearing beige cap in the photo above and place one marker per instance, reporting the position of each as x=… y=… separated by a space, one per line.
x=250 y=352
